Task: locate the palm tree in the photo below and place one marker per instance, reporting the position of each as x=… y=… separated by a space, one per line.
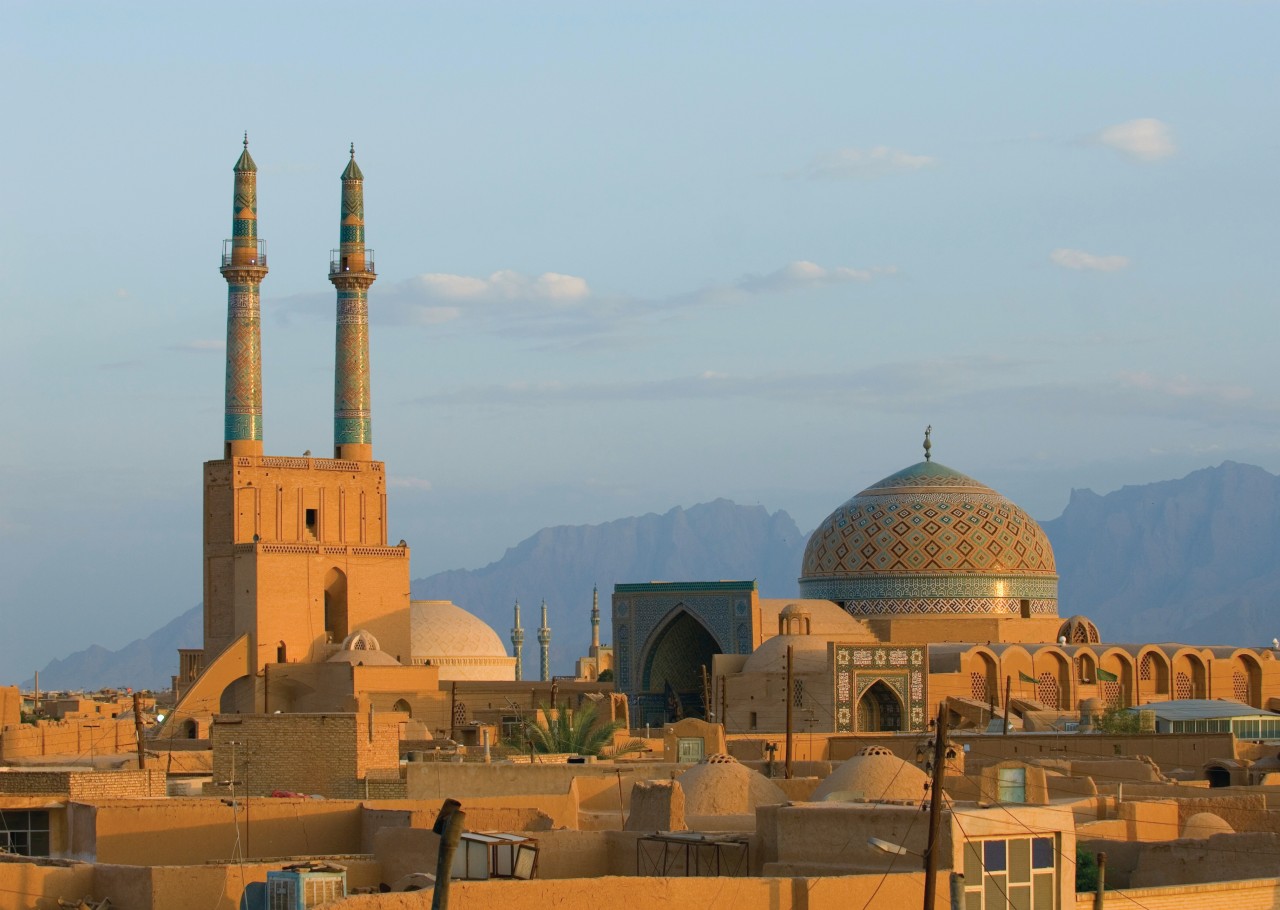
x=579 y=732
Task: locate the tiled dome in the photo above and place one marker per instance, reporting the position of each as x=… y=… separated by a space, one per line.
x=930 y=539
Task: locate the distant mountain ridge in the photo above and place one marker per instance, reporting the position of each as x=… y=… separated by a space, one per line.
x=1194 y=560
x=715 y=540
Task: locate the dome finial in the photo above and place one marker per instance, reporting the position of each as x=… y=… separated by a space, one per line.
x=927 y=444
x=353 y=151
x=246 y=140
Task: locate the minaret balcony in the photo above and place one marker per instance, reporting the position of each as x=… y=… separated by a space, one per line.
x=234 y=256
x=350 y=262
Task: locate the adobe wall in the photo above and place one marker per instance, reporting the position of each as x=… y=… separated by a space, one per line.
x=1251 y=894
x=215 y=886
x=1168 y=750
x=178 y=831
x=82 y=738
x=10 y=706
x=24 y=884
x=895 y=892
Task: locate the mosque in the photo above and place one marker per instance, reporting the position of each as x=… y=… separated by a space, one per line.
x=927 y=585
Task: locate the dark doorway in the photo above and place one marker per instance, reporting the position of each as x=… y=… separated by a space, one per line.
x=879 y=710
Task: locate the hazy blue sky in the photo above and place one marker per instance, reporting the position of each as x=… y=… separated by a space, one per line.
x=630 y=256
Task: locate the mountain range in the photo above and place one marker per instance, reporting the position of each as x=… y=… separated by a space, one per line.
x=1194 y=560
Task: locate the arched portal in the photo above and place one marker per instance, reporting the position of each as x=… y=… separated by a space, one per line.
x=674 y=660
x=1246 y=680
x=403 y=707
x=879 y=710
x=335 y=604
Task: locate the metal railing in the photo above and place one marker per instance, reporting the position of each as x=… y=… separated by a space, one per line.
x=340 y=262
x=258 y=259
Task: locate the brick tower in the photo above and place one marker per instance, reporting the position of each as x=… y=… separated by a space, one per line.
x=295 y=548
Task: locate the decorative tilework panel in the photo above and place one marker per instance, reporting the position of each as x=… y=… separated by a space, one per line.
x=243 y=412
x=859 y=667
x=352 y=418
x=637 y=617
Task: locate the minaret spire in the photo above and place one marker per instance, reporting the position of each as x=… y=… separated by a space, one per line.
x=351 y=271
x=517 y=644
x=595 y=619
x=244 y=265
x=544 y=644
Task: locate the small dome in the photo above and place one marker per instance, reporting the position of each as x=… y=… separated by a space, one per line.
x=360 y=648
x=1205 y=824
x=722 y=785
x=1079 y=630
x=873 y=775
x=927 y=534
x=808 y=655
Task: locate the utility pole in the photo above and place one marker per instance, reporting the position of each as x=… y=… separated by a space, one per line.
x=724 y=706
x=707 y=713
x=935 y=807
x=790 y=685
x=137 y=731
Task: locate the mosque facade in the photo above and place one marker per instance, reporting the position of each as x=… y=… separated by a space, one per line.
x=927 y=585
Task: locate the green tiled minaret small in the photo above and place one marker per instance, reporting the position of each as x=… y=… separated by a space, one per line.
x=351 y=271
x=244 y=265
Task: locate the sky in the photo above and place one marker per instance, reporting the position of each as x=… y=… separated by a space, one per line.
x=630 y=256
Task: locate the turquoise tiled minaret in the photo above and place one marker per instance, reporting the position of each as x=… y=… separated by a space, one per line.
x=351 y=271
x=544 y=644
x=517 y=644
x=244 y=265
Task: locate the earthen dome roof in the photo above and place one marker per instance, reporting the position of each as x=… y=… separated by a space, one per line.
x=873 y=775
x=721 y=785
x=442 y=628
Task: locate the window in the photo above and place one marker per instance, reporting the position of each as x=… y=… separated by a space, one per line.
x=1011 y=785
x=1018 y=872
x=753 y=720
x=311 y=519
x=24 y=833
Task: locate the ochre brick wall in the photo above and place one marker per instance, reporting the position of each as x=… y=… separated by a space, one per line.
x=324 y=754
x=84 y=785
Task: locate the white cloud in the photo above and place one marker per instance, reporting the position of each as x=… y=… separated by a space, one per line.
x=852 y=162
x=804 y=274
x=503 y=285
x=1087 y=262
x=1146 y=139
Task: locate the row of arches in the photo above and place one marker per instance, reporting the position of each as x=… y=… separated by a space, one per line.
x=1059 y=676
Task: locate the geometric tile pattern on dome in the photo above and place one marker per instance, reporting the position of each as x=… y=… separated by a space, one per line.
x=948 y=606
x=929 y=533
x=929 y=585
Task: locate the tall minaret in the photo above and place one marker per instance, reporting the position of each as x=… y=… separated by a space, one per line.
x=595 y=620
x=244 y=265
x=351 y=271
x=544 y=644
x=517 y=644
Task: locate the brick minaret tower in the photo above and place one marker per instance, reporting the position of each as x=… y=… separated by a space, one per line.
x=517 y=644
x=544 y=644
x=244 y=265
x=351 y=271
